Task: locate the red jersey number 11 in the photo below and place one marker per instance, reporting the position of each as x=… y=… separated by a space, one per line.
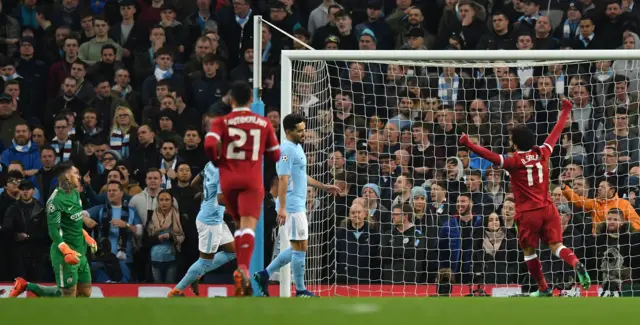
x=530 y=169
x=234 y=149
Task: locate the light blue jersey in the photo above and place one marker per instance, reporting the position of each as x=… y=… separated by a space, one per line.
x=293 y=163
x=211 y=212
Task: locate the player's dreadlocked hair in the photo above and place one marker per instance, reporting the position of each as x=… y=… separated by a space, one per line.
x=522 y=137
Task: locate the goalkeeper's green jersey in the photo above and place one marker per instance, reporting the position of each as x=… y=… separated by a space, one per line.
x=64 y=219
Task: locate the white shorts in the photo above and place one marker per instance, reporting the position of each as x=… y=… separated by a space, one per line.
x=297 y=226
x=211 y=237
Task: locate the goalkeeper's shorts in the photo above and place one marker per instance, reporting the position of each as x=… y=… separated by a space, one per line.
x=68 y=275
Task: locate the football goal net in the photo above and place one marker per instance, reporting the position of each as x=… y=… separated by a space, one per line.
x=420 y=215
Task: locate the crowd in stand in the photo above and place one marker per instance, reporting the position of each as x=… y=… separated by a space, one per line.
x=125 y=89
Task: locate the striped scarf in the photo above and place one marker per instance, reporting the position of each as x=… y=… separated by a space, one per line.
x=530 y=19
x=66 y=149
x=166 y=181
x=443 y=89
x=119 y=142
x=568 y=28
x=20 y=148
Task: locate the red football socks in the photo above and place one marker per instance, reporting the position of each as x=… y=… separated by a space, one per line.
x=535 y=269
x=244 y=242
x=568 y=256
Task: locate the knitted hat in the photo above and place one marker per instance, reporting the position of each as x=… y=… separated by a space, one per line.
x=374 y=187
x=369 y=33
x=418 y=191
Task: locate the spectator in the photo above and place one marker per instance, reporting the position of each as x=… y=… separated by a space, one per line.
x=568 y=30
x=626 y=100
x=544 y=39
x=107 y=66
x=91 y=51
x=377 y=25
x=163 y=70
x=468 y=223
x=67 y=101
x=403 y=249
x=122 y=88
x=402 y=190
x=123 y=128
x=238 y=21
x=495 y=256
x=508 y=214
x=25 y=223
x=377 y=213
x=625 y=138
x=467 y=19
x=320 y=16
x=606 y=199
x=45 y=176
x=10 y=34
x=628 y=68
x=146 y=153
x=320 y=33
x=208 y=85
x=37 y=136
x=164 y=235
x=405 y=19
x=33 y=83
x=85 y=91
x=357 y=241
x=118 y=223
x=66 y=148
x=9 y=119
x=62 y=68
x=129 y=35
x=587 y=39
x=169 y=163
x=89 y=131
x=202 y=47
x=177 y=32
x=8 y=197
x=105 y=103
x=21 y=149
x=500 y=37
x=616 y=250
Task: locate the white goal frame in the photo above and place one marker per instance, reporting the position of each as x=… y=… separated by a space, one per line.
x=446 y=56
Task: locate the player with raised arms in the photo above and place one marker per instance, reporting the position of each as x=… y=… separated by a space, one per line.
x=236 y=144
x=291 y=205
x=536 y=217
x=69 y=239
x=213 y=232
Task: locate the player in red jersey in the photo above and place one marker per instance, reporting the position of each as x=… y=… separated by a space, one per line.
x=536 y=216
x=236 y=143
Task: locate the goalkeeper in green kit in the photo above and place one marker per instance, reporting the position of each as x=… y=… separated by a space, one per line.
x=64 y=219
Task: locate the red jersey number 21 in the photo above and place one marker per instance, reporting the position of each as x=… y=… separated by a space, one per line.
x=530 y=168
x=236 y=150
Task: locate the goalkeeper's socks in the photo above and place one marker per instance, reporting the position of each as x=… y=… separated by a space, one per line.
x=245 y=240
x=281 y=260
x=43 y=291
x=298 y=259
x=535 y=269
x=196 y=270
x=220 y=259
x=567 y=255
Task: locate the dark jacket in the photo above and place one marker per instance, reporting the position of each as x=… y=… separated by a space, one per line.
x=357 y=254
x=207 y=91
x=141 y=159
x=404 y=256
x=501 y=267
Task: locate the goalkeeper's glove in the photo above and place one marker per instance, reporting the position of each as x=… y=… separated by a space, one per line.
x=70 y=256
x=90 y=242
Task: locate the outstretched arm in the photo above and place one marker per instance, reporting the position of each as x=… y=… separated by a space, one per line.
x=553 y=137
x=485 y=153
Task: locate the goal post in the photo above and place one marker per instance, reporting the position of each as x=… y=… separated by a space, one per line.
x=491 y=93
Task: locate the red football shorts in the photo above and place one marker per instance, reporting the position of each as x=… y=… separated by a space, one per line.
x=243 y=202
x=540 y=224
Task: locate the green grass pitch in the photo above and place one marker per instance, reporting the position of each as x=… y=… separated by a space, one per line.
x=321 y=311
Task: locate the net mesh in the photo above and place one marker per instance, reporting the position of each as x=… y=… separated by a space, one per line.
x=386 y=132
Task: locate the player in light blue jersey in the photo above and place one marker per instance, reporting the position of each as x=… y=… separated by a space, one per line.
x=213 y=232
x=291 y=205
